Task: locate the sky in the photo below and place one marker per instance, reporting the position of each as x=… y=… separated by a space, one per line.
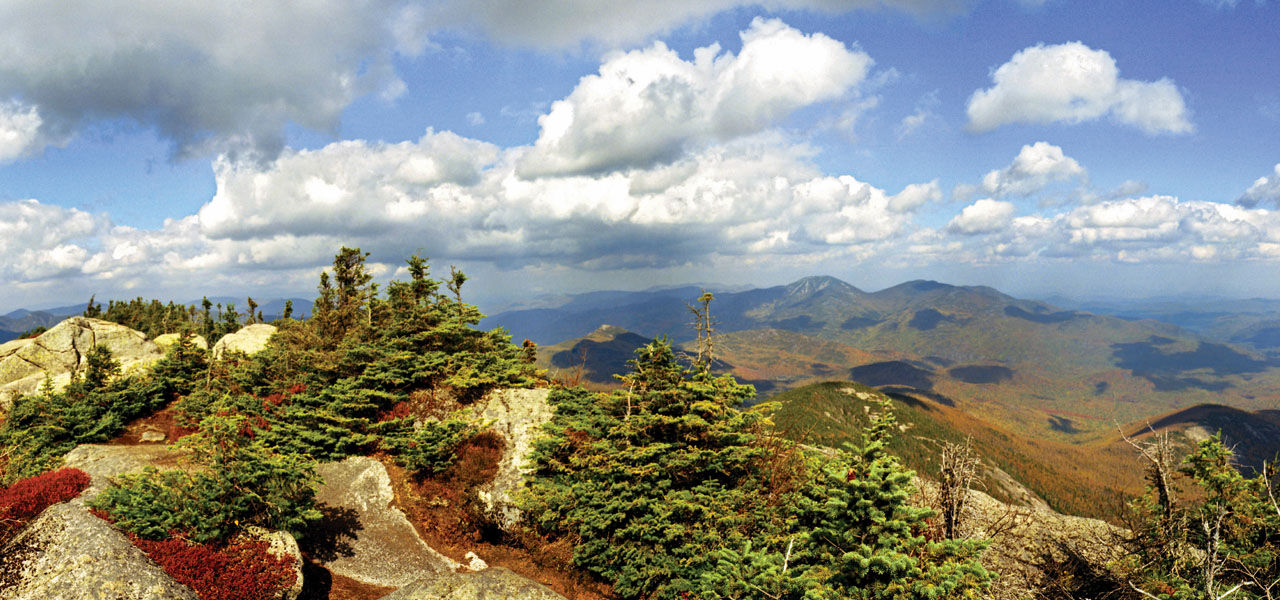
x=175 y=149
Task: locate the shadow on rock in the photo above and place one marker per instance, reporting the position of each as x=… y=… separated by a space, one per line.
x=330 y=538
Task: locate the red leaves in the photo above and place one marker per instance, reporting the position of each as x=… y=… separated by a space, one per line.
x=27 y=498
x=241 y=570
x=402 y=410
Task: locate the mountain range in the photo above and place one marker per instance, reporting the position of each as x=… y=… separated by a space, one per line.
x=1054 y=373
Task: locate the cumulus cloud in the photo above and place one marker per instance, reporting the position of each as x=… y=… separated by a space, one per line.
x=19 y=130
x=40 y=241
x=649 y=107
x=466 y=200
x=1073 y=83
x=614 y=23
x=461 y=199
x=1264 y=190
x=206 y=76
x=1036 y=167
x=1146 y=229
x=983 y=216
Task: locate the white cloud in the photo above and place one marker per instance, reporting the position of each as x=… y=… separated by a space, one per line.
x=19 y=130
x=1265 y=189
x=916 y=195
x=475 y=118
x=614 y=23
x=458 y=199
x=207 y=76
x=1036 y=167
x=649 y=107
x=1073 y=83
x=1147 y=229
x=914 y=121
x=983 y=216
x=38 y=241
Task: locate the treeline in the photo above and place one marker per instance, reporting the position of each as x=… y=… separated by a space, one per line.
x=153 y=317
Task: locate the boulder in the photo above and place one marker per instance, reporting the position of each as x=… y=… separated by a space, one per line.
x=377 y=544
x=494 y=583
x=280 y=543
x=25 y=364
x=169 y=339
x=517 y=414
x=251 y=339
x=67 y=553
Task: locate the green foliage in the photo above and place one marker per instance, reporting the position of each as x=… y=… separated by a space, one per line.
x=653 y=480
x=326 y=385
x=152 y=317
x=872 y=540
x=238 y=481
x=94 y=408
x=432 y=448
x=1224 y=536
x=667 y=490
x=33 y=332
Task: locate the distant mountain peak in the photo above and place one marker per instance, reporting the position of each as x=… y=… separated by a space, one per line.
x=606 y=332
x=817 y=283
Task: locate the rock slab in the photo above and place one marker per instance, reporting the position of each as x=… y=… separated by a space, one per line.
x=68 y=554
x=25 y=364
x=517 y=414
x=494 y=583
x=381 y=548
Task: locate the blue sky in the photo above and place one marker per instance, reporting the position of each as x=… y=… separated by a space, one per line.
x=1091 y=149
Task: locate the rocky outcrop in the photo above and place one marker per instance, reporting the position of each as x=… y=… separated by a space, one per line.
x=1033 y=545
x=69 y=554
x=169 y=339
x=494 y=583
x=251 y=339
x=25 y=364
x=518 y=415
x=376 y=544
x=103 y=462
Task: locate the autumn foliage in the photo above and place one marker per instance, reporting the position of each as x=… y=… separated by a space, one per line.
x=238 y=570
x=27 y=498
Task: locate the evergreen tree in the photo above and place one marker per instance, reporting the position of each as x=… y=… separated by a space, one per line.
x=870 y=540
x=93 y=311
x=655 y=480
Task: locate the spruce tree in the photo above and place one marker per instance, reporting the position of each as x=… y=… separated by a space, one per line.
x=870 y=541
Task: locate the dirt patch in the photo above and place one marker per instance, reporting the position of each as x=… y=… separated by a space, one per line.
x=164 y=422
x=442 y=509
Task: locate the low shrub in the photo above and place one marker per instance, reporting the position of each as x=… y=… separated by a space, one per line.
x=25 y=499
x=238 y=481
x=432 y=448
x=237 y=570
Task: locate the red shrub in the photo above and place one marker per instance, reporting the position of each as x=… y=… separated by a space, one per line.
x=240 y=570
x=27 y=498
x=401 y=410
